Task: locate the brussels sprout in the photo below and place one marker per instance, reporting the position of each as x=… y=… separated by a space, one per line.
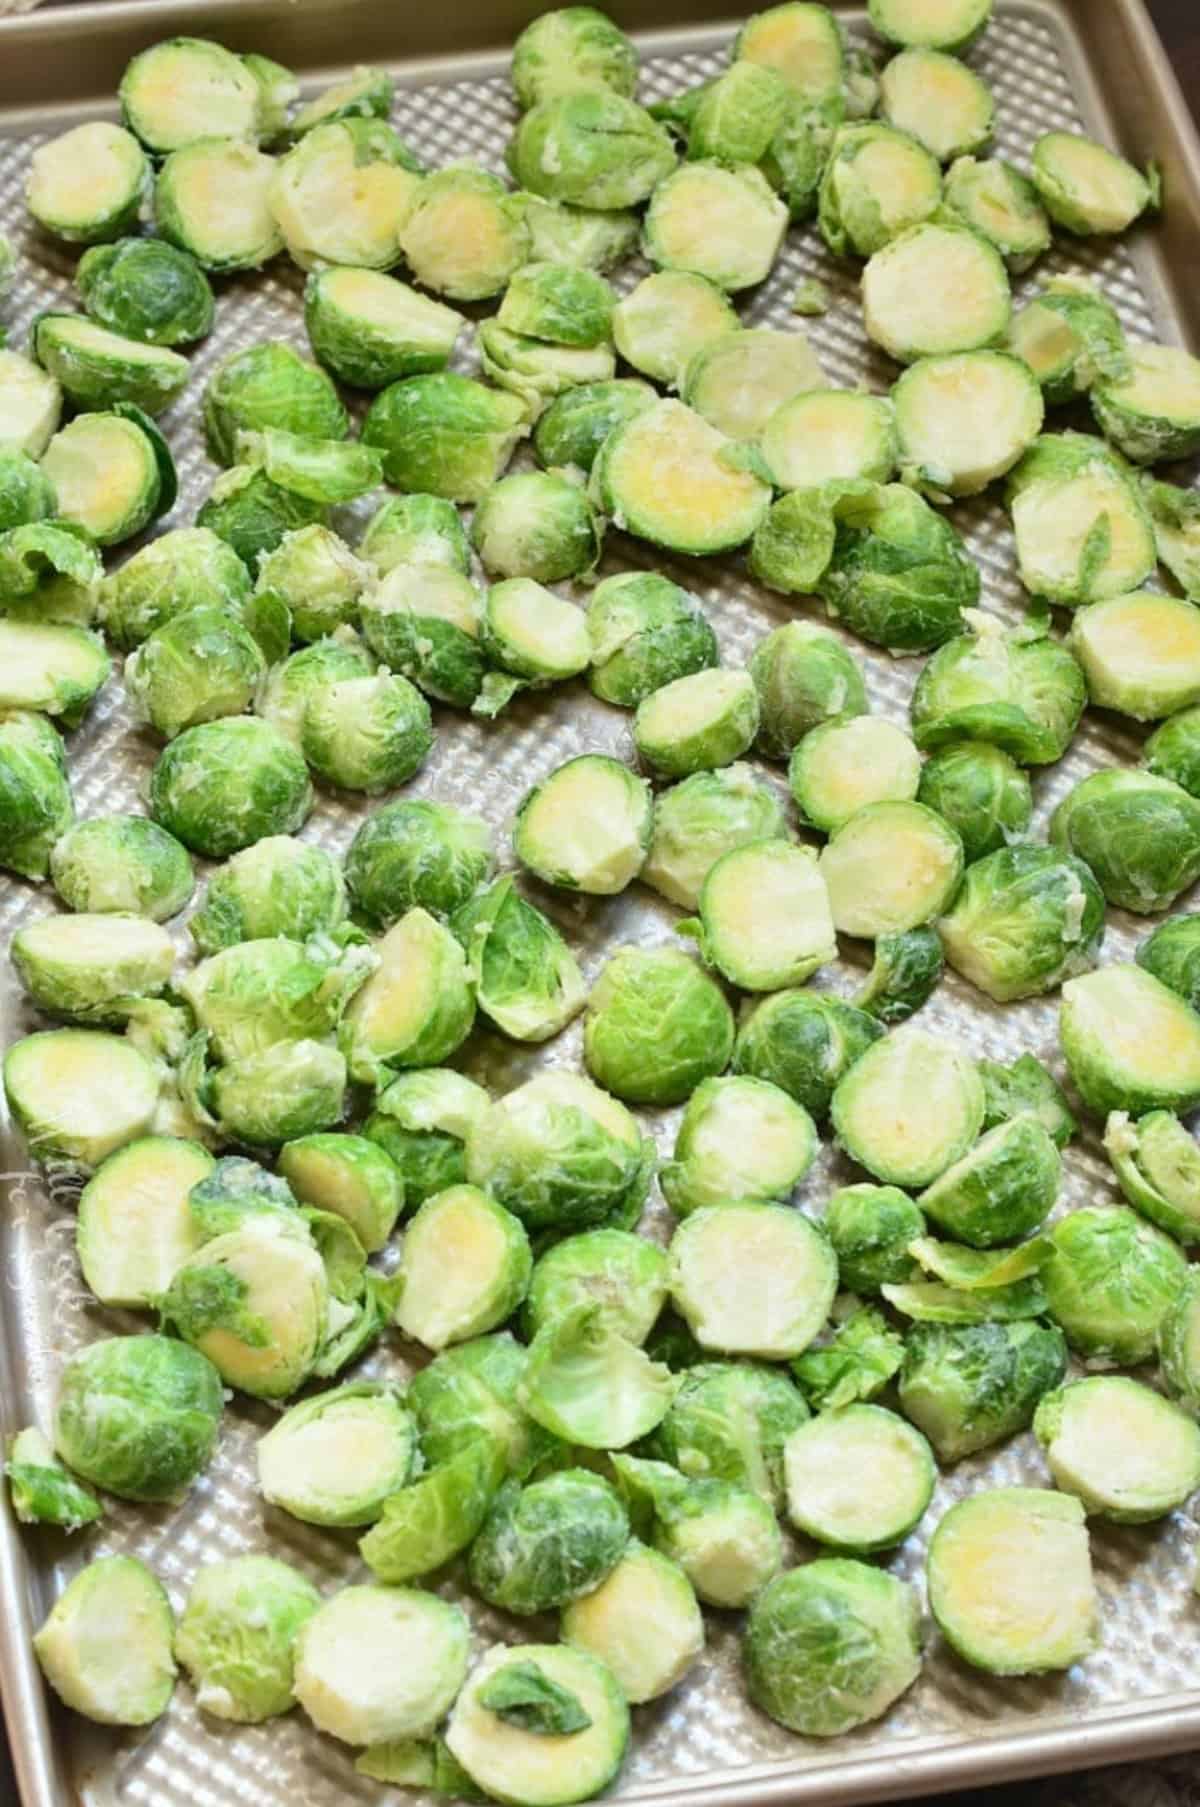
x=1140 y=835
x=730 y=1421
x=1175 y=517
x=930 y=24
x=560 y=1154
x=186 y=568
x=736 y=117
x=40 y=1489
x=827 y=435
x=466 y=1401
x=26 y=495
x=1130 y=1043
x=444 y=434
x=187 y=88
x=425 y=620
x=723 y=1537
x=1169 y=954
x=571 y=50
x=1082 y=531
x=225 y=784
x=1152 y=412
x=371 y=330
x=656 y=1026
x=291 y=1089
x=464 y=237
x=364 y=94
x=87 y=184
x=343 y=195
x=421 y=1122
x=292 y=685
x=981 y=791
x=78 y=1094
x=591 y=239
x=212 y=198
x=416 y=853
x=278 y=886
x=645 y=632
x=466 y=1268
x=871 y=1228
x=1070 y=337
x=237 y=1634
x=146 y=290
x=112 y=474
x=1025 y=919
x=697 y=821
x=30 y=404
x=740 y=1138
x=135 y=1225
x=234 y=1190
x=500 y=1749
x=537 y=372
x=318 y=577
x=367 y=734
x=935 y=288
x=563 y=304
x=794 y=542
x=1171 y=751
x=1001 y=1189
x=416 y=1008
x=802 y=42
x=738 y=381
x=106 y=1645
x=85 y=967
x=764 y=916
x=941 y=102
x=724 y=223
x=1024 y=1088
x=35 y=793
x=589 y=1385
x=254 y=514
x=1110 y=1283
x=666 y=319
x=536 y=525
x=971 y=1385
x=436 y=1516
x=50 y=571
x=804 y=676
x=1140 y=653
x=410 y=1650
x=859 y=1360
x=416 y=530
x=336 y=1458
x=864 y=1455
x=323 y=471
x=585 y=827
x=831 y=1645
x=575 y=425
x=548 y=1543
x=622 y=1276
x=138 y=1415
x=526 y=978
x=698 y=722
x=752 y=1279
x=994 y=199
x=277 y=89
x=1120 y=1448
x=1087 y=188
x=350 y=1176
x=903 y=976
x=890 y=867
x=1020 y=691
x=803 y=1042
x=900 y=576
x=709 y=505
x=841 y=766
x=52 y=667
x=1177 y=1344
x=877 y=183
x=269 y=386
x=909 y=1108
x=643 y=1621
x=591 y=149
x=965 y=419
x=196 y=667
x=98 y=368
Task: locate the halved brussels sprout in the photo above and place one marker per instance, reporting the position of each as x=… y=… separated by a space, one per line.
x=1026 y=1088
x=794 y=543
x=1175 y=517
x=1169 y=953
x=435 y=1517
x=804 y=1042
x=1010 y=1581
x=1172 y=751
x=371 y=330
x=465 y=235
x=336 y=1458
x=36 y=807
x=319 y=579
x=376 y=1663
x=890 y=867
x=981 y=791
x=643 y=1621
x=548 y=1543
x=738 y=381
x=939 y=100
x=666 y=319
x=350 y=1176
x=536 y=525
x=291 y=685
x=526 y=978
x=724 y=1537
x=735 y=117
x=877 y=183
x=212 y=199
x=225 y=784
x=997 y=201
x=26 y=494
x=752 y=1279
x=644 y=632
x=417 y=1006
x=828 y=435
x=871 y=1228
x=805 y=676
x=188 y=88
x=724 y=223
x=1025 y=919
x=1128 y=1454
x=570 y=50
x=466 y=1268
x=40 y=1489
x=87 y=184
x=861 y=1357
x=1178 y=1345
x=278 y=886
x=900 y=576
x=591 y=1386
x=98 y=368
x=967 y=1386
x=842 y=766
x=965 y=419
x=196 y=667
x=188 y=567
x=367 y=734
x=253 y=514
x=466 y=1401
x=1110 y=1283
x=1140 y=835
x=1140 y=653
x=364 y=94
x=709 y=503
x=803 y=43
x=1130 y=1043
x=1152 y=413
x=561 y=1155
x=698 y=722
x=147 y=290
x=424 y=620
x=1082 y=531
x=444 y=434
x=30 y=404
x=269 y=386
x=934 y=289
x=50 y=571
x=421 y=1121
x=903 y=975
x=584 y=236
x=1086 y=188
x=106 y=1645
x=237 y=1634
x=931 y=24
x=656 y=1026
x=622 y=1276
x=585 y=827
x=730 y=1421
x=85 y=967
x=740 y=1138
x=416 y=853
x=1002 y=1189
x=537 y=372
x=831 y=1645
x=577 y=422
x=1070 y=337
x=52 y=667
x=277 y=89
x=909 y=1108
x=343 y=195
x=135 y=1225
x=561 y=303
x=858 y=1479
x=323 y=471
x=697 y=821
x=112 y=473
x=591 y=149
x=765 y=918
x=416 y=530
x=79 y=1094
x=138 y=1415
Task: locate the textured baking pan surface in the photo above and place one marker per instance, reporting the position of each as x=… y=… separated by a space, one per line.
x=955 y=1727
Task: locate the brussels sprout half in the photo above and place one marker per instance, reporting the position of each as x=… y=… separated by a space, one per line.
x=189 y=567
x=365 y=93
x=188 y=88
x=87 y=184
x=765 y=919
x=135 y=1226
x=871 y=1228
x=828 y=435
x=1140 y=653
x=1025 y=919
x=1081 y=529
x=644 y=632
x=1070 y=337
x=623 y=1276
x=903 y=976
x=536 y=525
x=417 y=1006
x=981 y=791
x=999 y=1190
x=965 y=419
x=665 y=477
x=739 y=380
x=939 y=100
x=1169 y=954
x=371 y=330
x=52 y=667
x=585 y=236
x=30 y=404
x=803 y=43
x=866 y=1455
x=932 y=24
x=40 y=1489
x=79 y=1094
x=876 y=184
x=435 y=1517
x=98 y=368
x=1130 y=1043
x=1152 y=413
x=731 y=1421
x=577 y=422
x=934 y=289
x=840 y=767
x=656 y=1026
x=411 y=1655
x=1110 y=1283
x=723 y=1537
x=698 y=722
x=212 y=199
x=416 y=530
x=590 y=149
x=87 y=967
x=421 y=1121
x=1123 y=1450
x=37 y=806
x=585 y=827
x=890 y=867
x=643 y=1622
x=526 y=979
x=112 y=473
x=589 y=1385
x=968 y=1386
x=269 y=386
x=367 y=734
x=277 y=89
x=1086 y=188
x=547 y=1543
x=237 y=1634
x=343 y=195
x=444 y=434
x=909 y=1107
x=803 y=1042
x=106 y=1645
x=466 y=1268
x=198 y=666
x=1021 y=691
x=697 y=821
x=805 y=676
x=993 y=198
x=740 y=1138
x=899 y=575
x=667 y=319
x=350 y=1176
x=465 y=235
x=570 y=50
x=1025 y=1087
x=336 y=1458
x=752 y=1279
x=138 y=1415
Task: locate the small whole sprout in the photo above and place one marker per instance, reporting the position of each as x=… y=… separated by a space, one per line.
x=465 y=236
x=416 y=530
x=536 y=371
x=981 y=791
x=831 y=1645
x=1025 y=919
x=35 y=792
x=709 y=504
x=99 y=204
x=591 y=149
x=942 y=257
x=41 y=1490
x=804 y=676
x=343 y=194
x=78 y=1094
x=585 y=827
x=1086 y=188
x=645 y=632
x=623 y=1276
x=548 y=1543
x=666 y=319
x=106 y=1645
x=723 y=223
x=421 y=1121
x=1173 y=751
x=223 y=785
x=900 y=577
x=86 y=968
x=1110 y=1283
x=277 y=886
x=724 y=1537
x=371 y=330
x=112 y=473
x=643 y=1621
x=1019 y=691
x=318 y=577
x=589 y=1385
x=877 y=183
x=904 y=975
x=537 y=524
x=841 y=766
x=740 y=1138
x=1139 y=834
x=909 y=1108
x=871 y=1228
x=1001 y=1189
x=996 y=200
x=1125 y=1452
x=413 y=1654
x=968 y=1386
x=895 y=1471
x=188 y=567
x=416 y=853
x=656 y=1026
x=147 y=290
x=804 y=1042
x=697 y=723
x=765 y=919
x=269 y=386
x=752 y=1279
x=196 y=667
x=1171 y=954
x=1131 y=1044
x=569 y=51
x=237 y=1634
x=1120 y=644
x=240 y=232
x=445 y=1300
x=575 y=425
x=138 y=1415
x=527 y=981
x=416 y=1008
x=730 y=1421
x=698 y=821
x=444 y=434
x=350 y=1176
x=1081 y=527
x=335 y=1458
x=939 y=100
x=367 y=734
x=892 y=867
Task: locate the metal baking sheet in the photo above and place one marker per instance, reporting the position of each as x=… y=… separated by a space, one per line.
x=1051 y=63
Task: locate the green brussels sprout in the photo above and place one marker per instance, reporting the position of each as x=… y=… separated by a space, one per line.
x=1010 y=1581
x=466 y=1268
x=831 y=1645
x=731 y=1421
x=871 y=1228
x=1169 y=954
x=804 y=676
x=645 y=633
x=98 y=368
x=699 y=820
x=739 y=380
x=323 y=471
x=416 y=853
x=695 y=723
x=292 y=685
x=796 y=158
x=561 y=303
x=930 y=24
x=643 y=1621
x=764 y=920
x=112 y=474
x=467 y=1398
x=1070 y=337
x=585 y=236
x=861 y=1357
x=794 y=543
x=538 y=525
x=269 y=386
x=892 y=867
x=253 y=514
x=53 y=667
x=622 y=1276
x=40 y=1489
x=803 y=1042
x=736 y=117
x=1125 y=1452
x=527 y=981
x=506 y=1752
x=545 y=1544
x=364 y=94
x=416 y=530
x=1130 y=1043
x=87 y=184
x=276 y=887
x=591 y=1386
x=237 y=1634
x=146 y=289
x=561 y=1155
x=335 y=1458
x=586 y=826
x=904 y=975
x=138 y=1415
x=1019 y=691
x=35 y=792
x=187 y=88
x=417 y=1006
x=739 y=1138
x=1177 y=1345
x=843 y=765
x=724 y=223
x=1086 y=188
x=590 y=149
x=535 y=371
x=967 y=1386
x=804 y=43
x=421 y=1121
x=78 y=1094
x=939 y=258
x=939 y=100
x=666 y=319
x=577 y=422
x=435 y=1517
x=708 y=504
x=900 y=576
x=1001 y=1189
x=26 y=494
x=862 y=1454
x=965 y=419
x=188 y=567
x=235 y=1189
x=909 y=1108
x=1139 y=834
x=225 y=784
x=465 y=235
x=995 y=199
x=444 y=434
x=569 y=51
x=212 y=199
x=84 y=967
x=981 y=791
x=412 y=1652
x=656 y=1026
x=1081 y=528
x=370 y=330
x=1140 y=653
x=197 y=667
x=318 y=577
x=277 y=89
x=876 y=184
x=752 y=1279
x=30 y=404
x=343 y=194
x=350 y=1176
x=135 y=1224
x=1175 y=518
x=1025 y=919
x=1172 y=751
x=106 y=1645
x=1110 y=1282
x=50 y=571
x=723 y=1537
x=367 y=734
x=1023 y=1088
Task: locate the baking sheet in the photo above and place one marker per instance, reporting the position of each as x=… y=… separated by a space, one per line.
x=955 y=1726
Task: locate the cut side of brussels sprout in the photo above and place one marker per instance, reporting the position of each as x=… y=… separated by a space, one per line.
x=840 y=767
x=739 y=380
x=666 y=319
x=138 y=1415
x=1140 y=653
x=643 y=1622
x=740 y=1138
x=765 y=916
x=1026 y=918
x=212 y=198
x=725 y=223
x=889 y=868
x=465 y=236
x=539 y=526
x=40 y=1489
x=576 y=424
x=335 y=1458
x=223 y=785
x=697 y=723
x=466 y=1268
x=934 y=290
x=365 y=94
x=1002 y=1189
x=106 y=475
x=1010 y=1581
x=98 y=368
x=858 y=1479
x=189 y=88
x=938 y=100
x=1139 y=834
x=665 y=476
x=88 y=184
x=135 y=1226
x=964 y=420
x=1085 y=187
x=909 y=1108
x=416 y=1007
x=147 y=290
x=371 y=330
x=803 y=43
x=586 y=827
x=656 y=1026
x=997 y=201
x=237 y=1634
x=1111 y=1282
x=589 y=1385
x=375 y=1663
x=1153 y=414
x=592 y=149
x=1123 y=1450
x=830 y=434
x=752 y=1279
x=697 y=821
x=1070 y=337
x=622 y=1276
x=87 y=967
x=877 y=183
x=343 y=195
x=444 y=434
x=803 y=1041
x=31 y=404
x=350 y=1176
x=930 y=24
x=105 y=1647
x=578 y=235
x=79 y=1094
x=571 y=49
x=52 y=668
